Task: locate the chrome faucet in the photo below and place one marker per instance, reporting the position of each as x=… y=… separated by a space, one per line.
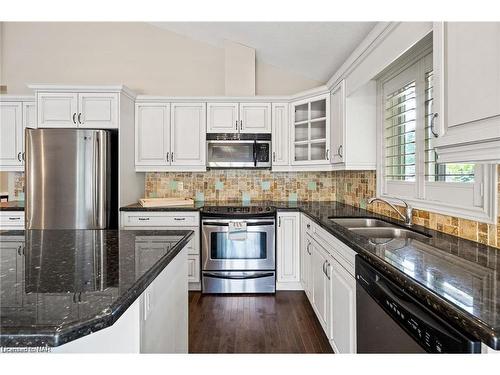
x=407 y=217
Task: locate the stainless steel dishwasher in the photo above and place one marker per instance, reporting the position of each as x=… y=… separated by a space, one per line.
x=389 y=320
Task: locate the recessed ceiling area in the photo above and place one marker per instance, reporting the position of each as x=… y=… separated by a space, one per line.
x=314 y=50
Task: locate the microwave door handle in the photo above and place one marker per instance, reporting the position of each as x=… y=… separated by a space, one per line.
x=255 y=153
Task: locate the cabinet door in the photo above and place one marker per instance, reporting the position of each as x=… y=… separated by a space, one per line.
x=97 y=110
x=11 y=136
x=472 y=64
x=288 y=238
x=188 y=124
x=306 y=271
x=57 y=110
x=343 y=316
x=255 y=117
x=280 y=134
x=321 y=285
x=222 y=118
x=193 y=268
x=337 y=121
x=12 y=271
x=152 y=134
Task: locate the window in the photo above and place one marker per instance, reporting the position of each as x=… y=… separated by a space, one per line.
x=408 y=166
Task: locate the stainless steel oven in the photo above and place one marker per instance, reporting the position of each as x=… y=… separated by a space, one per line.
x=243 y=265
x=239 y=150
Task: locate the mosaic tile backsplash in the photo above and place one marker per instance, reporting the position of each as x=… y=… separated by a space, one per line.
x=352 y=187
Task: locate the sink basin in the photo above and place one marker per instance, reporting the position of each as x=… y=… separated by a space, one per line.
x=388 y=232
x=362 y=222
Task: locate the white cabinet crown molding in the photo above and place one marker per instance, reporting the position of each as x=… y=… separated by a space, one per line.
x=17 y=98
x=85 y=88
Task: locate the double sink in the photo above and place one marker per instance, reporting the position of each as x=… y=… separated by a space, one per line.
x=378 y=229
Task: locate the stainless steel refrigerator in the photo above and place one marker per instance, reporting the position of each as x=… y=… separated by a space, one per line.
x=71 y=177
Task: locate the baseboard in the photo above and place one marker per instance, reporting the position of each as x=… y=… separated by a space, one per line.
x=289 y=286
x=195 y=287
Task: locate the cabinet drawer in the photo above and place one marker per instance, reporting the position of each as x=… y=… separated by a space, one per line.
x=193 y=268
x=337 y=249
x=160 y=219
x=12 y=220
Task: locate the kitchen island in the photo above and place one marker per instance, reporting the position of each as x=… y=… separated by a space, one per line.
x=94 y=290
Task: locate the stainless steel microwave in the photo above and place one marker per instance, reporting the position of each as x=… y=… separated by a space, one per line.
x=239 y=150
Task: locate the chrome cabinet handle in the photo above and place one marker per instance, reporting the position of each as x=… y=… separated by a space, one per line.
x=327 y=154
x=274 y=156
x=236 y=124
x=172 y=157
x=324 y=264
x=279 y=221
x=19 y=156
x=14 y=218
x=80 y=118
x=168 y=156
x=241 y=124
x=434 y=133
x=74 y=118
x=339 y=151
x=23 y=156
x=307 y=248
x=327 y=267
x=19 y=250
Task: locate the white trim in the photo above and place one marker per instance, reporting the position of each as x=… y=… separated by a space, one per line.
x=289 y=286
x=169 y=168
x=84 y=88
x=17 y=98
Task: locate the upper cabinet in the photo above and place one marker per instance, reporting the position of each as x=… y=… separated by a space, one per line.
x=310 y=131
x=238 y=117
x=353 y=127
x=280 y=135
x=466 y=113
x=16 y=114
x=170 y=137
x=84 y=110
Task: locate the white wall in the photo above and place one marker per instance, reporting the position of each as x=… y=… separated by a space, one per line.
x=148 y=59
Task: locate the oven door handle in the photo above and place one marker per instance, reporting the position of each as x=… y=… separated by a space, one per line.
x=240 y=277
x=249 y=224
x=255 y=153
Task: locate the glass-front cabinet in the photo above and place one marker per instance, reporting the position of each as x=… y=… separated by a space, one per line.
x=310 y=140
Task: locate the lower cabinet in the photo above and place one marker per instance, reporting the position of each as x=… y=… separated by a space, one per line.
x=171 y=220
x=327 y=277
x=343 y=309
x=287 y=251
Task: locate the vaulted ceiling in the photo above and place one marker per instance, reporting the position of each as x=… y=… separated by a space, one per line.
x=314 y=50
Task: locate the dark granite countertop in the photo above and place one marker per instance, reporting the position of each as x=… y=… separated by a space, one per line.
x=456 y=278
x=12 y=206
x=60 y=285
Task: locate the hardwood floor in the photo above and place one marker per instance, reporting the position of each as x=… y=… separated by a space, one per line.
x=280 y=323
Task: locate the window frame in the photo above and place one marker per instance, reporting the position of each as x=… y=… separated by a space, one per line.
x=481 y=195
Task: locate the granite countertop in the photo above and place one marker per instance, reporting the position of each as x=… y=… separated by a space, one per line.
x=456 y=278
x=12 y=206
x=59 y=285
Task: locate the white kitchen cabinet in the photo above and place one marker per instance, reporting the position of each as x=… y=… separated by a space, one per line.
x=58 y=108
x=255 y=117
x=343 y=309
x=310 y=131
x=287 y=250
x=170 y=137
x=222 y=118
x=16 y=114
x=11 y=135
x=466 y=81
x=98 y=110
x=181 y=220
x=188 y=124
x=353 y=127
x=152 y=134
x=280 y=135
x=306 y=268
x=321 y=286
x=252 y=117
